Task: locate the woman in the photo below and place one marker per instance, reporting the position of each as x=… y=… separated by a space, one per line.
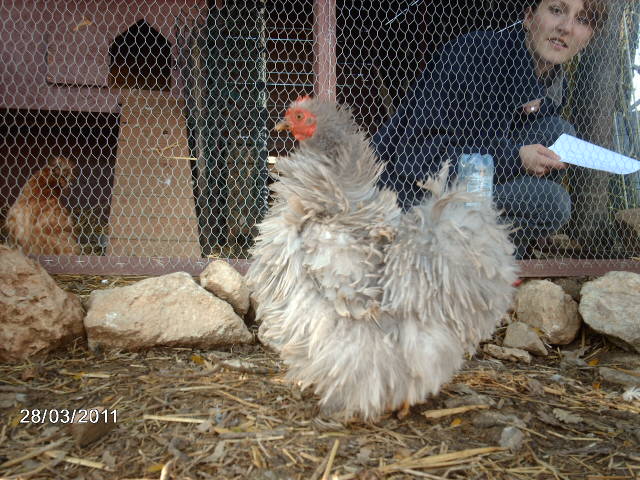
x=498 y=93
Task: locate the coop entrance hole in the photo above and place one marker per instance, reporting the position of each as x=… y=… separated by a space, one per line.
x=140 y=58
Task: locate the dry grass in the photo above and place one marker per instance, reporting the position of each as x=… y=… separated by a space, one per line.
x=186 y=414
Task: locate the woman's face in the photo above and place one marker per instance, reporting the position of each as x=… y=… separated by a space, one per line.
x=556 y=31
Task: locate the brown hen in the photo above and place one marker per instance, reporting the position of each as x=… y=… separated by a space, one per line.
x=37 y=222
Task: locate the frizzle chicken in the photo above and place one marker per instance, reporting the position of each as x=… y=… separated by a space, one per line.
x=373 y=308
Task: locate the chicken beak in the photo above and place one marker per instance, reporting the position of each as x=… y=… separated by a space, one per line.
x=284 y=125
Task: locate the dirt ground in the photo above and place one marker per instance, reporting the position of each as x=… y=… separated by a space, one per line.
x=229 y=414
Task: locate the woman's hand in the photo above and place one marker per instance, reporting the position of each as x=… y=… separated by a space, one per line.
x=531 y=107
x=538 y=160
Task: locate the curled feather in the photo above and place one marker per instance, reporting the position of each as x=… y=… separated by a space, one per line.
x=370 y=307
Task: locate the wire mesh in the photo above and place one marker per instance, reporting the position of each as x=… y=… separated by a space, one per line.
x=143 y=129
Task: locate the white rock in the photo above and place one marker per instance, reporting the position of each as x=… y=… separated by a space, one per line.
x=572 y=358
x=510 y=354
x=520 y=335
x=611 y=305
x=171 y=310
x=98 y=423
x=471 y=399
x=511 y=438
x=226 y=283
x=491 y=418
x=614 y=375
x=36 y=315
x=544 y=305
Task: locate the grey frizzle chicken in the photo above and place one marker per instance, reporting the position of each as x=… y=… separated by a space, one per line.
x=373 y=308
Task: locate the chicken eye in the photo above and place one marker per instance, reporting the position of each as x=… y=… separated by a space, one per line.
x=299 y=116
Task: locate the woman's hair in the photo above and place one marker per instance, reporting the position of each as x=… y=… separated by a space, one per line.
x=596 y=10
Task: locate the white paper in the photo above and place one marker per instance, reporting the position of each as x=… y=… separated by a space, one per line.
x=579 y=152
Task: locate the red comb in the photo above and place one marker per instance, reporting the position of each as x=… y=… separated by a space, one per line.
x=302 y=98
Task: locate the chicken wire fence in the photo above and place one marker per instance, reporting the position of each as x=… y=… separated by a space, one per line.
x=144 y=129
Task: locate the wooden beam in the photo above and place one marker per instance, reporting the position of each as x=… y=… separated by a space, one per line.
x=94 y=265
x=121 y=266
x=324 y=49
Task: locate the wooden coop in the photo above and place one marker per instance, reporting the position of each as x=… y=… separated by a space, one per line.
x=167 y=109
x=152 y=204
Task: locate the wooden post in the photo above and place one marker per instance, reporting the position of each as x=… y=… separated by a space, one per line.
x=594 y=98
x=324 y=49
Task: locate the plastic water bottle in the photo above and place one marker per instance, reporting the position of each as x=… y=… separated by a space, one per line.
x=477 y=171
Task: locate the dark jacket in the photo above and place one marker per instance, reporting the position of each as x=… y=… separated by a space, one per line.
x=467 y=100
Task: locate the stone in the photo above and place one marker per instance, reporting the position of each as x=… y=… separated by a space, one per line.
x=462 y=389
x=572 y=358
x=36 y=316
x=226 y=283
x=522 y=336
x=472 y=399
x=492 y=418
x=511 y=438
x=92 y=424
x=170 y=310
x=626 y=360
x=570 y=285
x=535 y=387
x=612 y=375
x=544 y=305
x=504 y=353
x=611 y=305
